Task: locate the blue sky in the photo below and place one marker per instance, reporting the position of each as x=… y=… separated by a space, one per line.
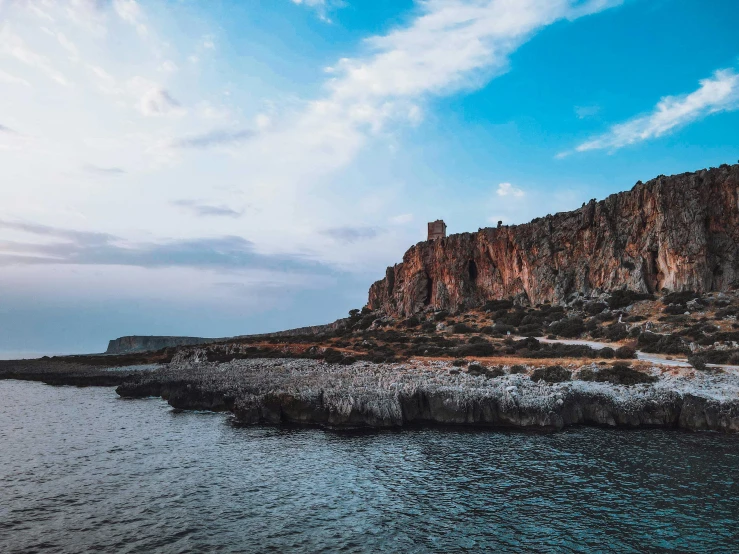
x=227 y=167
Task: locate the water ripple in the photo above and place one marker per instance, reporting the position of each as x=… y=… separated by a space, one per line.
x=83 y=470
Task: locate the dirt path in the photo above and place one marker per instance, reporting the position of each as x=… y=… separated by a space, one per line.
x=657 y=359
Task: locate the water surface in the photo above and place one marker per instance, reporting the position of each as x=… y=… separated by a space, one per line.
x=83 y=470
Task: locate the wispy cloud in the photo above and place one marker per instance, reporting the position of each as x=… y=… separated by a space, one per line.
x=322 y=7
x=718 y=93
x=14 y=46
x=158 y=101
x=4 y=129
x=65 y=246
x=204 y=210
x=98 y=170
x=218 y=137
x=351 y=234
x=130 y=11
x=7 y=78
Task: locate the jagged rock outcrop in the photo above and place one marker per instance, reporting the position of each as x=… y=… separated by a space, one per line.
x=679 y=232
x=276 y=391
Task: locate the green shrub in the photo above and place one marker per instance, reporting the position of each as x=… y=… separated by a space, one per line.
x=531 y=330
x=606 y=352
x=625 y=352
x=478 y=349
x=462 y=328
x=662 y=344
x=495 y=371
x=680 y=297
x=551 y=374
x=495 y=305
x=441 y=316
x=623 y=298
x=476 y=369
x=616 y=331
x=617 y=374
x=698 y=363
x=593 y=308
x=569 y=328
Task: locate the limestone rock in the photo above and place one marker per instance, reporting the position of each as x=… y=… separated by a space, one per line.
x=679 y=233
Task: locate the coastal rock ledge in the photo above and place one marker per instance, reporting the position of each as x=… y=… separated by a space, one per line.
x=298 y=391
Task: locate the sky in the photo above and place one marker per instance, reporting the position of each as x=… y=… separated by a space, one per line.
x=216 y=168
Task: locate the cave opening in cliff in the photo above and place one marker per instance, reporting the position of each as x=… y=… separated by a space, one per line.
x=429 y=290
x=472 y=270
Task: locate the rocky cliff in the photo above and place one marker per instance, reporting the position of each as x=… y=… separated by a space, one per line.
x=679 y=233
x=124 y=345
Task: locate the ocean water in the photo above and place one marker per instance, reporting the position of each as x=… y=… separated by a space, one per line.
x=82 y=470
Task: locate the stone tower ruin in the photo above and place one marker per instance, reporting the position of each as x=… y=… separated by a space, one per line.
x=437 y=230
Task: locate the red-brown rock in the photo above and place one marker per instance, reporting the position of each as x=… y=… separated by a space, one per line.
x=679 y=233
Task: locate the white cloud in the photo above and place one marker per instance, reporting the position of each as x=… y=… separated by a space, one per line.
x=14 y=46
x=12 y=79
x=262 y=121
x=279 y=153
x=130 y=11
x=155 y=100
x=507 y=189
x=168 y=66
x=68 y=45
x=716 y=94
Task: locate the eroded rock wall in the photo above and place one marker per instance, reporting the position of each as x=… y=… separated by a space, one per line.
x=679 y=232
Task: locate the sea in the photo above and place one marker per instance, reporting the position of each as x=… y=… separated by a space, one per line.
x=82 y=470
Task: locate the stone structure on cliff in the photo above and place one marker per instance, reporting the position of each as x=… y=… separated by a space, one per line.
x=437 y=229
x=677 y=233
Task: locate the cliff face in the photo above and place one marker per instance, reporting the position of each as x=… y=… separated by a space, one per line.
x=124 y=345
x=679 y=232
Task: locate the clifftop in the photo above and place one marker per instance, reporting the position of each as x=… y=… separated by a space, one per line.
x=678 y=233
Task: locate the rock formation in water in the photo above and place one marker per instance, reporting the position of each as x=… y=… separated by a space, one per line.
x=679 y=233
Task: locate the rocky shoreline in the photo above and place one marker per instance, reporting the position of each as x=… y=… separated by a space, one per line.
x=366 y=395
x=418 y=392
